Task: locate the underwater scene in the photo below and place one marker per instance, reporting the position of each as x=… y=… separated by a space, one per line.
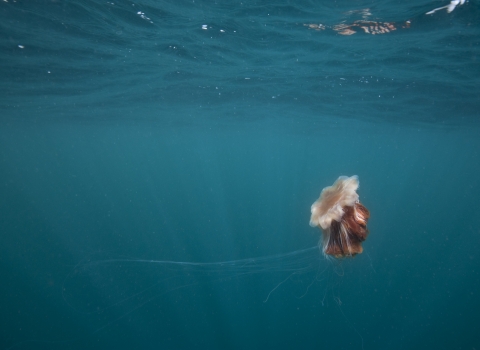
x=241 y=174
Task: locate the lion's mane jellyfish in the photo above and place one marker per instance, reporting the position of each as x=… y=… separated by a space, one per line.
x=341 y=217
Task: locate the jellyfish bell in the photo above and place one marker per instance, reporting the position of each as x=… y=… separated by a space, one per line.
x=341 y=217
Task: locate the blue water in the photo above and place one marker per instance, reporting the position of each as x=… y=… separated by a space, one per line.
x=137 y=138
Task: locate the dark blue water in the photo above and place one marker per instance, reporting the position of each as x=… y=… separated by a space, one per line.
x=137 y=138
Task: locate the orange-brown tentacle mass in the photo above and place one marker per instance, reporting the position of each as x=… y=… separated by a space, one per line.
x=345 y=238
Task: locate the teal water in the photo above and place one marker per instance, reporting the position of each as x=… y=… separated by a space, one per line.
x=157 y=177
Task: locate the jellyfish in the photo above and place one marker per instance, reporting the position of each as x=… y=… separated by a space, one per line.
x=342 y=218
